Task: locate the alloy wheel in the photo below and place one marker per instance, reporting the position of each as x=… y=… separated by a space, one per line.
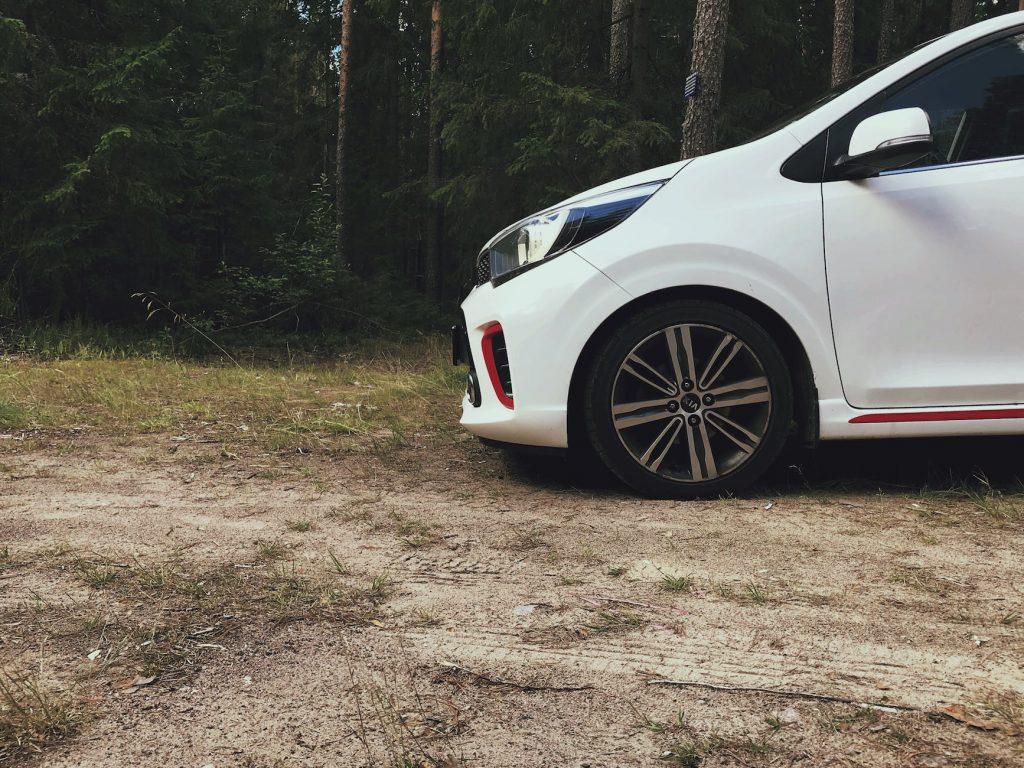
x=691 y=403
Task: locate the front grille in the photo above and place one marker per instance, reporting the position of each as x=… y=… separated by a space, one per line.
x=483 y=268
x=501 y=362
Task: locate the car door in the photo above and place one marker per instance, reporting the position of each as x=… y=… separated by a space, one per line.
x=925 y=265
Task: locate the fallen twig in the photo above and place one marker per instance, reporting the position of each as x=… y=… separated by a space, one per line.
x=508 y=683
x=595 y=599
x=789 y=695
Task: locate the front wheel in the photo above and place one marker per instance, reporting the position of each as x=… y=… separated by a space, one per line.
x=688 y=398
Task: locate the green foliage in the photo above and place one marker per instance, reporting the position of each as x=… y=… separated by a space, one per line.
x=294 y=274
x=186 y=150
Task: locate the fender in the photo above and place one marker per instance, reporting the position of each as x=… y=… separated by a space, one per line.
x=776 y=258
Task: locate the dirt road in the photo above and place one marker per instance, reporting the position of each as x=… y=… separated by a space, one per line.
x=518 y=616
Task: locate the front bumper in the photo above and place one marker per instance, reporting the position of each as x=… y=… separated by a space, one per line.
x=547 y=315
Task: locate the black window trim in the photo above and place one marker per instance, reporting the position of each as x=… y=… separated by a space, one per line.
x=922 y=71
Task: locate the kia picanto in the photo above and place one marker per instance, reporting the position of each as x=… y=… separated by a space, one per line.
x=857 y=272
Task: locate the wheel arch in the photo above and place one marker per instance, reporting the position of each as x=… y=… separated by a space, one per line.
x=805 y=406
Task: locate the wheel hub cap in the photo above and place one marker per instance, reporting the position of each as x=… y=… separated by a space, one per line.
x=712 y=429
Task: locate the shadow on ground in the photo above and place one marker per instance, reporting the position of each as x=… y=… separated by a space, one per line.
x=863 y=465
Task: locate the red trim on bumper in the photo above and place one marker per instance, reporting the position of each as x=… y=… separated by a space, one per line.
x=492 y=369
x=895 y=418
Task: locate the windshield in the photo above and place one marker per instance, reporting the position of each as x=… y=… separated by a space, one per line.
x=805 y=109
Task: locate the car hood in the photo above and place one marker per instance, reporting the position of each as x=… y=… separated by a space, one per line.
x=661 y=173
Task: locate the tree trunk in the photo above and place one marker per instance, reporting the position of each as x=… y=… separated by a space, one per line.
x=842 y=43
x=435 y=228
x=640 y=54
x=710 y=27
x=886 y=30
x=911 y=23
x=618 y=57
x=344 y=62
x=961 y=14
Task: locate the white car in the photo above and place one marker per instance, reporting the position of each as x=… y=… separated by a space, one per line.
x=856 y=273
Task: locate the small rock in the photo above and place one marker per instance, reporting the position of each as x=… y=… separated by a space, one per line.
x=789 y=716
x=930 y=761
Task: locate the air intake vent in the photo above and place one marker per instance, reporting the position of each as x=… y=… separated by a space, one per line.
x=501 y=363
x=496 y=360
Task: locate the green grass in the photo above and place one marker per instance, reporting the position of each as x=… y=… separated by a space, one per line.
x=693 y=751
x=677 y=583
x=997 y=505
x=756 y=593
x=95 y=575
x=270 y=550
x=339 y=567
x=81 y=340
x=12 y=415
x=373 y=395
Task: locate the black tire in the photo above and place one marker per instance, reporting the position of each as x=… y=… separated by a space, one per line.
x=642 y=328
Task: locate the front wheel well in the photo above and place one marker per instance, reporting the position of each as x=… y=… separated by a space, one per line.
x=805 y=406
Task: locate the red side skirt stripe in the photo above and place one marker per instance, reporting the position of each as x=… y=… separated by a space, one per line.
x=894 y=418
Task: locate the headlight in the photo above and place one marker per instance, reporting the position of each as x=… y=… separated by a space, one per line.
x=551 y=233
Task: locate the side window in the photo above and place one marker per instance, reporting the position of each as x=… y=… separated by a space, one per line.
x=975 y=102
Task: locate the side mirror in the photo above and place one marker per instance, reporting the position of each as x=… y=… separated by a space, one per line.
x=887 y=142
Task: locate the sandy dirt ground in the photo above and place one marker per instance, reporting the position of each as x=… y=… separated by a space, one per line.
x=527 y=616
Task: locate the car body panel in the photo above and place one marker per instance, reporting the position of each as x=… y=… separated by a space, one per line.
x=548 y=315
x=927 y=302
x=686 y=235
x=732 y=221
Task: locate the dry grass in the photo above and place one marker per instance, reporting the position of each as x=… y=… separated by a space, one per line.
x=374 y=396
x=160 y=619
x=32 y=716
x=922 y=580
x=692 y=751
x=996 y=505
x=156 y=623
x=1008 y=708
x=412 y=533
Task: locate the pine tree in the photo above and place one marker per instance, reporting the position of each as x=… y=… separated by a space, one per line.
x=961 y=14
x=618 y=58
x=910 y=23
x=341 y=157
x=710 y=27
x=435 y=230
x=179 y=147
x=842 y=42
x=639 y=52
x=886 y=30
